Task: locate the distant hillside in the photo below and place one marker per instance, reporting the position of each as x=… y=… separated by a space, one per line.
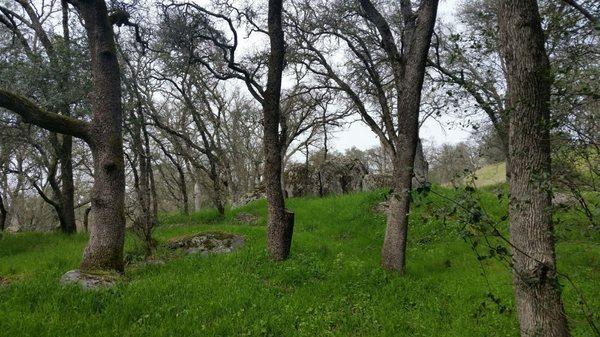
x=490 y=175
x=486 y=176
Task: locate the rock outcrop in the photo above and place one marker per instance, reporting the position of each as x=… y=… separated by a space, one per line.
x=208 y=243
x=341 y=174
x=89 y=280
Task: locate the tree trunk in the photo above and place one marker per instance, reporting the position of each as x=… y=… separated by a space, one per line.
x=86 y=219
x=65 y=149
x=217 y=190
x=183 y=189
x=145 y=221
x=3 y=214
x=197 y=196
x=67 y=197
x=280 y=222
x=393 y=255
x=539 y=306
x=105 y=248
x=151 y=176
x=421 y=167
x=393 y=252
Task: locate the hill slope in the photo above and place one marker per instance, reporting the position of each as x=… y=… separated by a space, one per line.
x=492 y=174
x=331 y=286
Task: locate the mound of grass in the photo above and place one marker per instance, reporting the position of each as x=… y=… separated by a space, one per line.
x=489 y=175
x=332 y=284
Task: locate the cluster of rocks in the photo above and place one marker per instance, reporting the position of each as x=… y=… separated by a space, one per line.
x=343 y=175
x=337 y=175
x=203 y=243
x=207 y=243
x=257 y=194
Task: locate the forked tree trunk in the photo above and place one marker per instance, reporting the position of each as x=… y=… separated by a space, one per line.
x=409 y=72
x=280 y=222
x=105 y=248
x=539 y=305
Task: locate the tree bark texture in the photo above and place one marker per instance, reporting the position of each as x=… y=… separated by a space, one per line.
x=280 y=221
x=409 y=72
x=539 y=306
x=105 y=248
x=67 y=191
x=103 y=135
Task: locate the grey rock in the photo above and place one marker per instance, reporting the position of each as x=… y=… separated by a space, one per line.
x=89 y=280
x=257 y=194
x=209 y=243
x=564 y=200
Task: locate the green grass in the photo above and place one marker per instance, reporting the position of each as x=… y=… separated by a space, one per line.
x=490 y=175
x=332 y=284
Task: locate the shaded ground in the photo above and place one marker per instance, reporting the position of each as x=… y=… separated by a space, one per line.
x=331 y=286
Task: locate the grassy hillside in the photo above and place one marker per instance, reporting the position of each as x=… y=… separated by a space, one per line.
x=331 y=286
x=492 y=174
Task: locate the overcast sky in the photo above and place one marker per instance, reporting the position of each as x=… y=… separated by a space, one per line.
x=359 y=135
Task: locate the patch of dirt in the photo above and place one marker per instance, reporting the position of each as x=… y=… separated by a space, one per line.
x=4 y=281
x=208 y=243
x=8 y=280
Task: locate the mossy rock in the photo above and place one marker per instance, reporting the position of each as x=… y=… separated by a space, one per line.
x=91 y=279
x=207 y=243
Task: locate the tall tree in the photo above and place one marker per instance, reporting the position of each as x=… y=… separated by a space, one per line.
x=539 y=305
x=409 y=72
x=103 y=134
x=381 y=73
x=280 y=221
